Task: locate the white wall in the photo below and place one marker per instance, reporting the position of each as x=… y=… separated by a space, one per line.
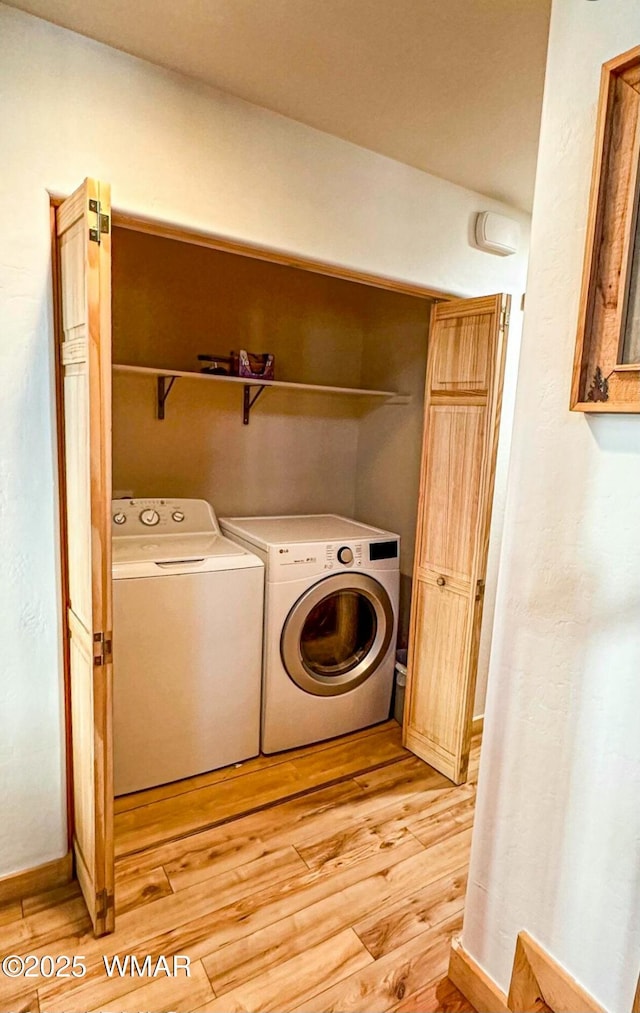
x=174 y=150
x=556 y=844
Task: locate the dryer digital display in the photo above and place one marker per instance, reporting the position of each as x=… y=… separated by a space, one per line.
x=383 y=550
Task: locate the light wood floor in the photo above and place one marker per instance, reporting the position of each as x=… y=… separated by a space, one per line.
x=341 y=896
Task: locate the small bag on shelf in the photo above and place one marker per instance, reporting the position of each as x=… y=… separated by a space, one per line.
x=252 y=365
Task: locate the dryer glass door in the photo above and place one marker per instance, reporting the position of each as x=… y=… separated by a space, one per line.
x=337 y=634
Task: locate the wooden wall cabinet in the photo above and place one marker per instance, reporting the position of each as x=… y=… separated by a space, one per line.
x=606 y=373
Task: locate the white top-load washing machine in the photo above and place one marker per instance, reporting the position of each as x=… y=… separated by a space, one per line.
x=187 y=643
x=331 y=611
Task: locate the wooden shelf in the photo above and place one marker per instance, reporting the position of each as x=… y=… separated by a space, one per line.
x=289 y=384
x=164 y=375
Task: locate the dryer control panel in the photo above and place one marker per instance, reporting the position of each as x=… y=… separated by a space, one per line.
x=296 y=560
x=163 y=516
x=347 y=556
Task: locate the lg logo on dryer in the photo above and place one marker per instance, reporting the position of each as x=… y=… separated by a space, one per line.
x=306 y=559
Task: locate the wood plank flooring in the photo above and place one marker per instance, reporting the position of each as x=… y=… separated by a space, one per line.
x=173 y=811
x=339 y=895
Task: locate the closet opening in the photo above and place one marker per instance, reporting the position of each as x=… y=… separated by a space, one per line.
x=314 y=447
x=294 y=496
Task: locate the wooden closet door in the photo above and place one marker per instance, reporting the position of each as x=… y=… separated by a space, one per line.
x=462 y=412
x=84 y=269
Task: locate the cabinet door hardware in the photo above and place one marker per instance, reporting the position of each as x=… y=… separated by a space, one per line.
x=104 y=902
x=102 y=649
x=102 y=222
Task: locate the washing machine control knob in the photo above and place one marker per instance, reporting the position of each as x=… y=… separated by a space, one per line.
x=150 y=517
x=178 y=516
x=119 y=518
x=345 y=554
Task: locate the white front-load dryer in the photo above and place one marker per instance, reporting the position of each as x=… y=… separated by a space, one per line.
x=331 y=607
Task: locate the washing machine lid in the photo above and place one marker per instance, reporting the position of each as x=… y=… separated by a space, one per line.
x=174 y=554
x=178 y=536
x=169 y=548
x=267 y=531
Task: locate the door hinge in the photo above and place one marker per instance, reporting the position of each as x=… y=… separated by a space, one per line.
x=102 y=222
x=479 y=589
x=104 y=903
x=504 y=319
x=102 y=648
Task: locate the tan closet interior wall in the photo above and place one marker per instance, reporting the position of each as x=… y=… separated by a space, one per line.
x=394 y=356
x=172 y=301
x=301 y=453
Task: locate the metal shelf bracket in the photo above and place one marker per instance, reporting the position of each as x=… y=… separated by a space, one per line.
x=248 y=401
x=165 y=383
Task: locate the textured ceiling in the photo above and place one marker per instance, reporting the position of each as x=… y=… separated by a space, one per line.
x=453 y=87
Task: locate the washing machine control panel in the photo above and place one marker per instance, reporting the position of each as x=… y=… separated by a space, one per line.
x=149 y=518
x=166 y=516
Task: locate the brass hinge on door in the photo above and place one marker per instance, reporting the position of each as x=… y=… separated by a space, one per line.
x=479 y=589
x=102 y=222
x=104 y=903
x=504 y=318
x=102 y=653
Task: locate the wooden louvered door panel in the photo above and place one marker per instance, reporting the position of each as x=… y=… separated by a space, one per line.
x=84 y=271
x=462 y=413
